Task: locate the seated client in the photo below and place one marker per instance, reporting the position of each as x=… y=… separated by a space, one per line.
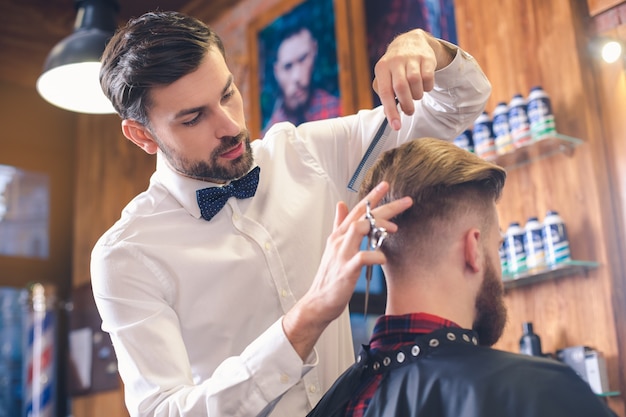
x=430 y=354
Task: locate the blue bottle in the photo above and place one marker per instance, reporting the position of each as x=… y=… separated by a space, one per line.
x=501 y=130
x=540 y=115
x=516 y=253
x=555 y=239
x=504 y=262
x=484 y=144
x=518 y=121
x=533 y=243
x=465 y=141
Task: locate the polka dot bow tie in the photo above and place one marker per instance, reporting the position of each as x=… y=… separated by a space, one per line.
x=211 y=200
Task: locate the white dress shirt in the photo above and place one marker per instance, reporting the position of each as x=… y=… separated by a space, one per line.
x=194 y=307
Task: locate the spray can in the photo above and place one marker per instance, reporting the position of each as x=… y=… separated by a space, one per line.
x=482 y=133
x=533 y=243
x=518 y=121
x=501 y=130
x=540 y=114
x=40 y=353
x=555 y=239
x=516 y=253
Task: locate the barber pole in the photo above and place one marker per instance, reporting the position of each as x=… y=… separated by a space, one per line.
x=40 y=354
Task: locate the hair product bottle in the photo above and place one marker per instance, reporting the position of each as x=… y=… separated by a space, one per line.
x=530 y=343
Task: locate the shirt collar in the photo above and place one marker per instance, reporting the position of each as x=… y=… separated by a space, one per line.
x=182 y=188
x=390 y=331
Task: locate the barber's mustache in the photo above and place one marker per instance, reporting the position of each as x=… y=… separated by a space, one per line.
x=229 y=142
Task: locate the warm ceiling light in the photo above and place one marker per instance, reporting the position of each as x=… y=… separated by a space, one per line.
x=611 y=51
x=70 y=75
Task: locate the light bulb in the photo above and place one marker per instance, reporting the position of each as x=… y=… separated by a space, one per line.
x=75 y=87
x=611 y=51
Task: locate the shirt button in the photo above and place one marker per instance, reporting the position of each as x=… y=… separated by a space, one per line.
x=283 y=293
x=312 y=388
x=268 y=245
x=284 y=378
x=235 y=217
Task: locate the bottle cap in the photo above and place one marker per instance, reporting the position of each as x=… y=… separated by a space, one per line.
x=527 y=327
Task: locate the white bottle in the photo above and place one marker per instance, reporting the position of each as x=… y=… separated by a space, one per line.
x=533 y=243
x=540 y=115
x=518 y=121
x=501 y=130
x=482 y=134
x=556 y=242
x=516 y=253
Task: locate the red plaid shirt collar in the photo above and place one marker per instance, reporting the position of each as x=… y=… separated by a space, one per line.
x=390 y=333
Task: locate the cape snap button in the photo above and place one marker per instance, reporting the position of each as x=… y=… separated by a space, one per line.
x=386 y=361
x=400 y=357
x=451 y=336
x=433 y=343
x=415 y=350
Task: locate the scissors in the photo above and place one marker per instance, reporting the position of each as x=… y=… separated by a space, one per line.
x=375 y=239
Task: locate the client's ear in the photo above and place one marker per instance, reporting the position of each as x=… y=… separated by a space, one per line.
x=139 y=135
x=472 y=251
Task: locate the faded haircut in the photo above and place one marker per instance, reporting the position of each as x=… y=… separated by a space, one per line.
x=444 y=181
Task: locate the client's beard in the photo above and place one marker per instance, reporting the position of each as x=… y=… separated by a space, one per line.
x=491 y=312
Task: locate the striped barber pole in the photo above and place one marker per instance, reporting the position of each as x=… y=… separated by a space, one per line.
x=40 y=354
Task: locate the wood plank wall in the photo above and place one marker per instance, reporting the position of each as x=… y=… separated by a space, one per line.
x=110 y=172
x=519 y=44
x=522 y=44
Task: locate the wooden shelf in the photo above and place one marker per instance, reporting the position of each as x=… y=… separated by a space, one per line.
x=530 y=277
x=537 y=149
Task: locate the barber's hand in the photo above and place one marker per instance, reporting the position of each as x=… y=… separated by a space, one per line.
x=340 y=269
x=407 y=70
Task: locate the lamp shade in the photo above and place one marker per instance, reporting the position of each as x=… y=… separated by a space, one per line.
x=70 y=76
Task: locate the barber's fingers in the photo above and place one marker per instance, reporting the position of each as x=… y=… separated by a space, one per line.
x=402 y=83
x=404 y=73
x=382 y=85
x=381 y=214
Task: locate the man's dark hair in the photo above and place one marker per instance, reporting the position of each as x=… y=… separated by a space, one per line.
x=155 y=49
x=287 y=26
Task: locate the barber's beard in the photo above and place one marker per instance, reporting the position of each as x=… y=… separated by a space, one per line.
x=491 y=312
x=211 y=169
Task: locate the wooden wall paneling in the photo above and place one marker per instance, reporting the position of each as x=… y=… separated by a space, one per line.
x=110 y=172
x=519 y=45
x=612 y=92
x=598 y=6
x=601 y=155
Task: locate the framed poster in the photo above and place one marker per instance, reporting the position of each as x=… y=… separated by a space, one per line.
x=299 y=64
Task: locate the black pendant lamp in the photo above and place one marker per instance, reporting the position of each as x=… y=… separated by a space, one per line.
x=70 y=75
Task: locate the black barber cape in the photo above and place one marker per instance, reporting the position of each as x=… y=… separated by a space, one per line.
x=446 y=374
